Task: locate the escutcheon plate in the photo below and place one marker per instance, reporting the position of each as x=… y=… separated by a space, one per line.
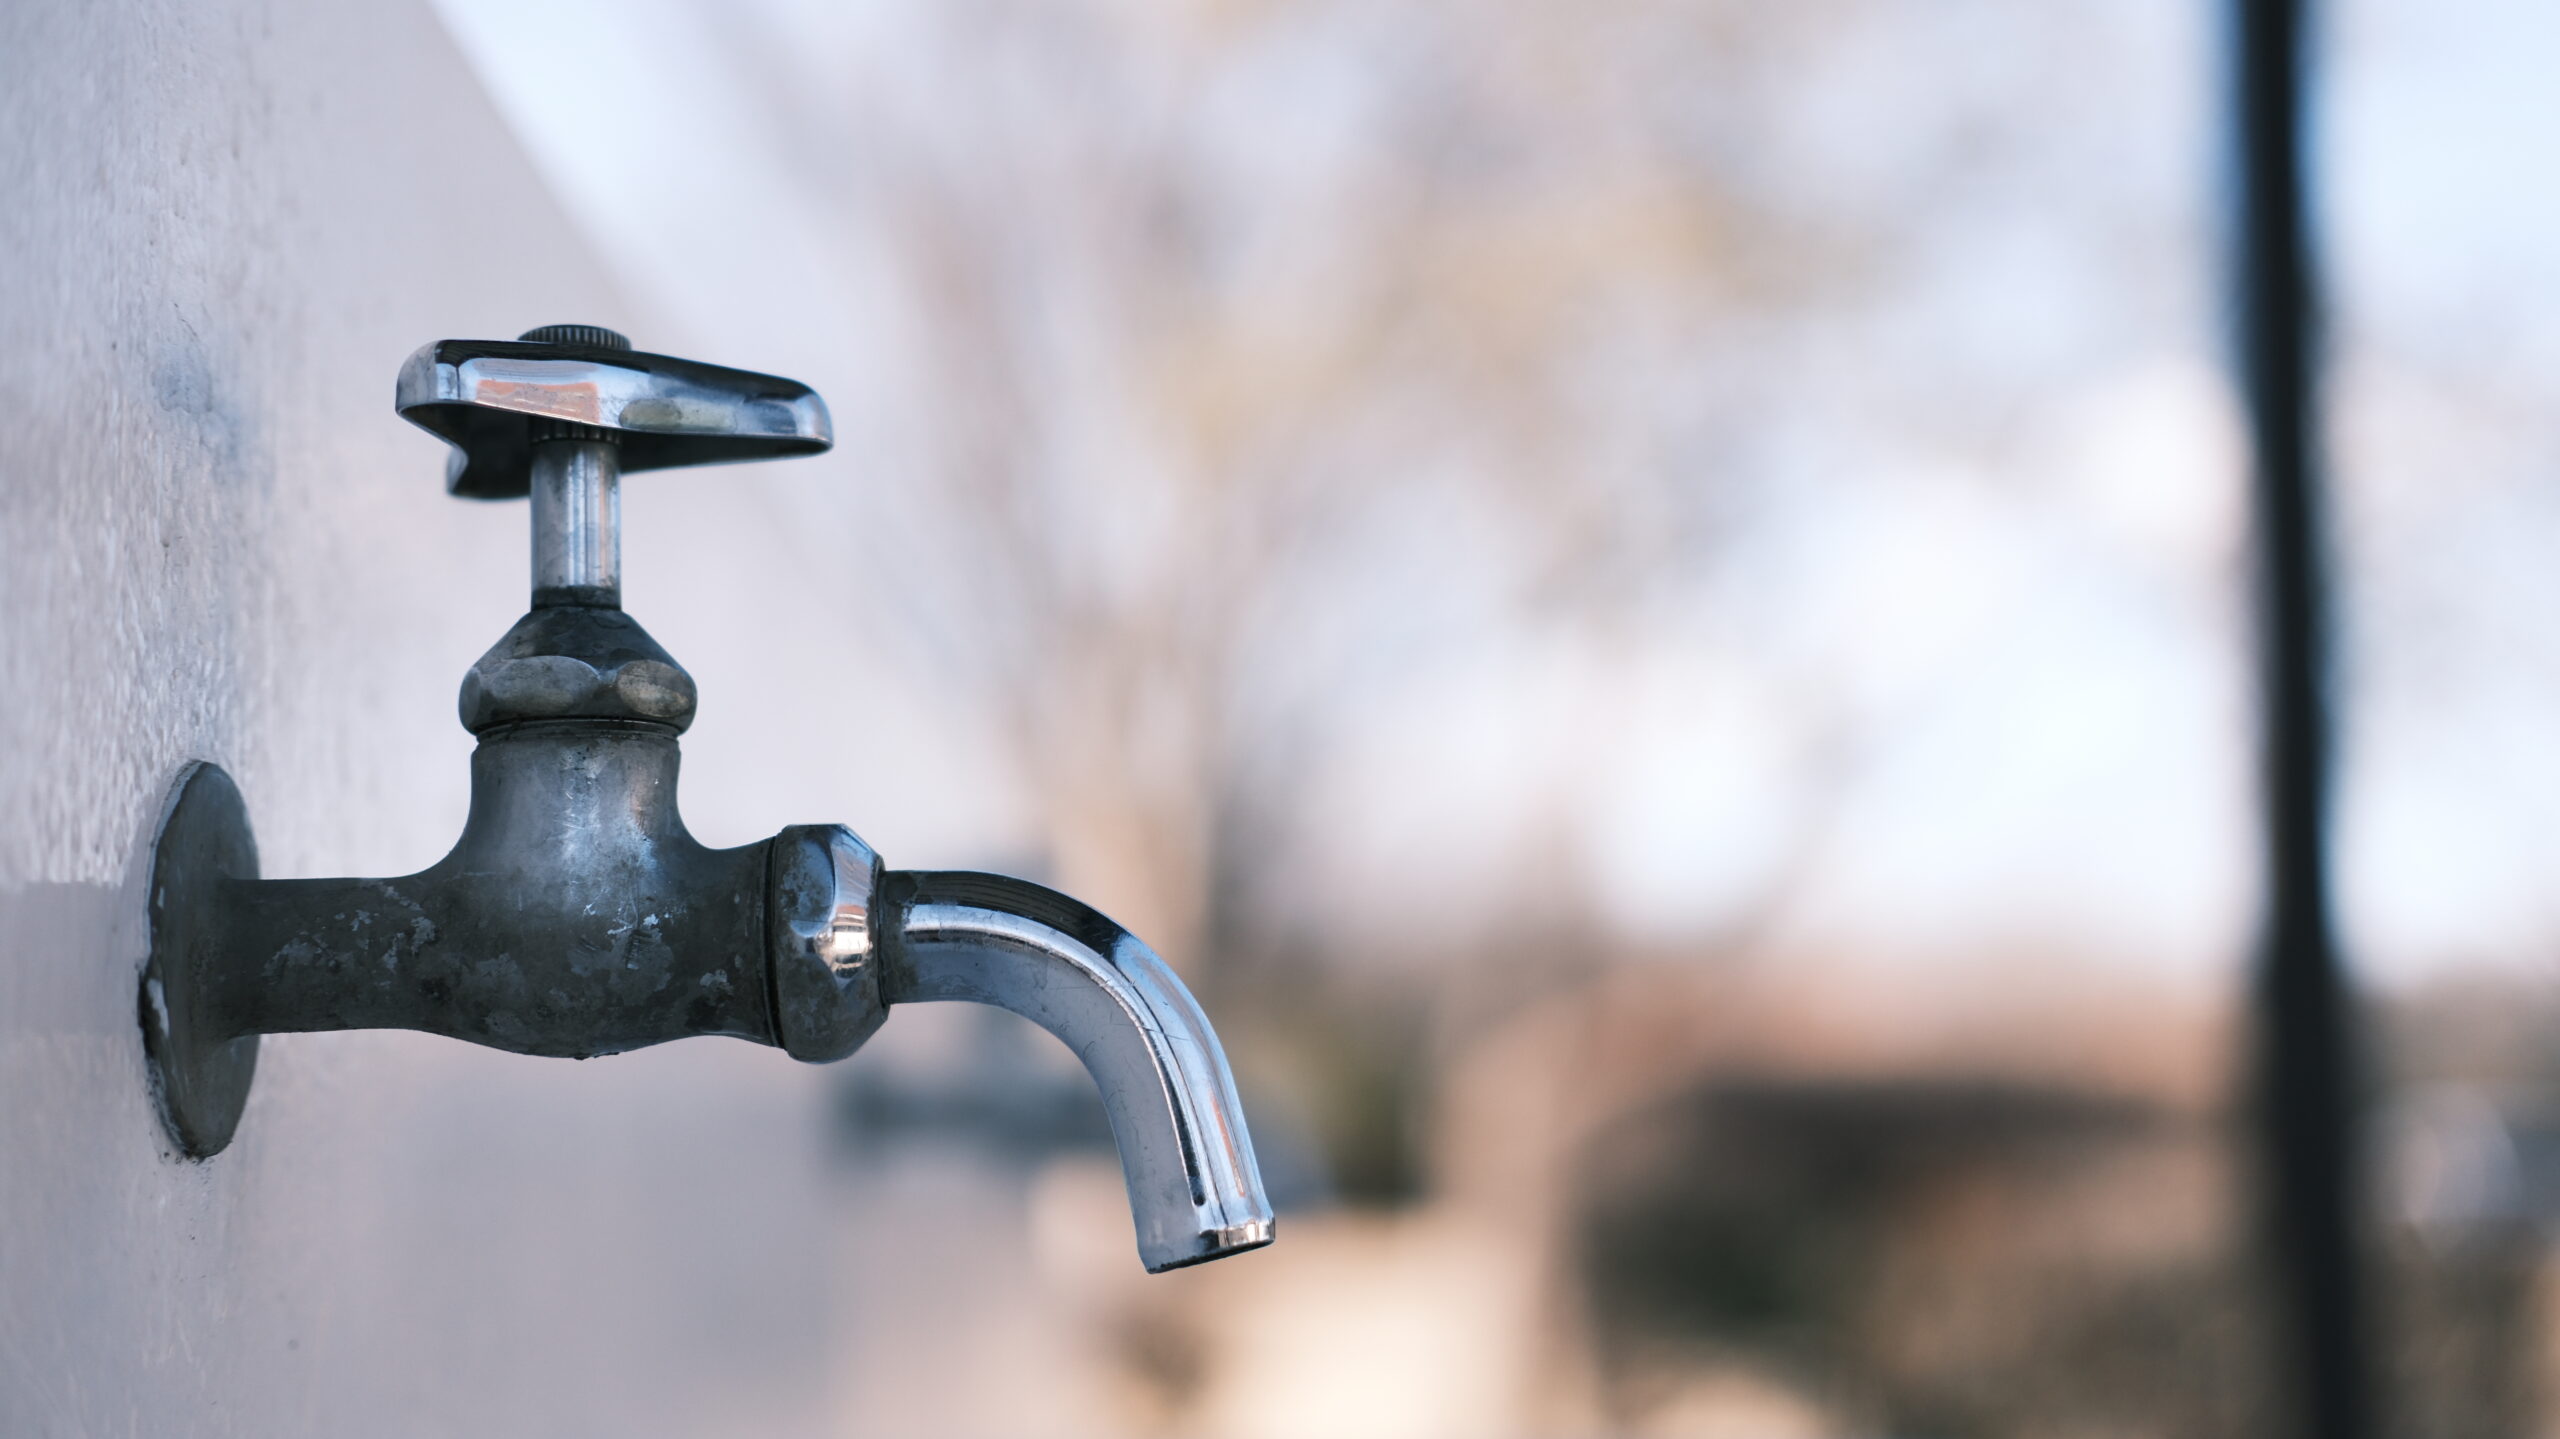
x=200 y=1079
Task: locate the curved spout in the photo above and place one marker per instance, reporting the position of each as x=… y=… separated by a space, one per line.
x=1193 y=1188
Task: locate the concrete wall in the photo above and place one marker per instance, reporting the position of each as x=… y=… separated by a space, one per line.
x=224 y=224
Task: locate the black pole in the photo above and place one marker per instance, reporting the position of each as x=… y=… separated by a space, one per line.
x=2306 y=1080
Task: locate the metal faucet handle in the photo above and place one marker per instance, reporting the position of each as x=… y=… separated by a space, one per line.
x=560 y=412
x=492 y=400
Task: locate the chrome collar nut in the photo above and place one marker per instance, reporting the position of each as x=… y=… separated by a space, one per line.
x=822 y=888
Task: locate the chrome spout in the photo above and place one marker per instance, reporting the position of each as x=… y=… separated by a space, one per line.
x=1194 y=1192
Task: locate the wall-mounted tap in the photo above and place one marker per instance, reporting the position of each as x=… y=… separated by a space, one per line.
x=575 y=916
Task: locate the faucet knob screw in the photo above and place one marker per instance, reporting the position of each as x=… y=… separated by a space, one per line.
x=594 y=337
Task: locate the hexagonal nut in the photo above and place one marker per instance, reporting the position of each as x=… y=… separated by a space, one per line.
x=562 y=687
x=822 y=884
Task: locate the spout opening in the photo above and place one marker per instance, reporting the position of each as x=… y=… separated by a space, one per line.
x=1222 y=1243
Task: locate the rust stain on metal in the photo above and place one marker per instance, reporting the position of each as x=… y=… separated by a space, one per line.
x=582 y=402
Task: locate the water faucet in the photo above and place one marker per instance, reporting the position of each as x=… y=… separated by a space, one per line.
x=576 y=916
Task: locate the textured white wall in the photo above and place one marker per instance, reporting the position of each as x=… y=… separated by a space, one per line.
x=223 y=225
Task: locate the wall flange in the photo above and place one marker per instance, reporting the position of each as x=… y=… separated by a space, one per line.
x=199 y=1076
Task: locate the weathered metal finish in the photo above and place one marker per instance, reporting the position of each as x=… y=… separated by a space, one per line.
x=200 y=1066
x=576 y=662
x=577 y=917
x=1194 y=1189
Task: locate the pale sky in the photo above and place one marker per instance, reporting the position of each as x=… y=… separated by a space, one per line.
x=2033 y=636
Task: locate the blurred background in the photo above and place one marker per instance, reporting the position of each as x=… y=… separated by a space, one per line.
x=1649 y=598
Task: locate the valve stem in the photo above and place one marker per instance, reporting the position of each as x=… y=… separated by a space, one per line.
x=577 y=522
x=577 y=495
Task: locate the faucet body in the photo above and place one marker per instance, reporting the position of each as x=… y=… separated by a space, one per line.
x=577 y=917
